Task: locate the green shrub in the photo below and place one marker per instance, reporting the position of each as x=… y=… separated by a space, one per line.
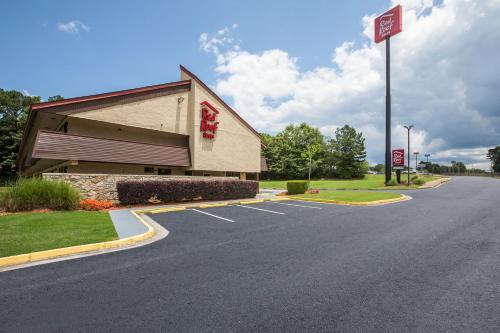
x=413 y=178
x=36 y=193
x=419 y=181
x=297 y=186
x=392 y=182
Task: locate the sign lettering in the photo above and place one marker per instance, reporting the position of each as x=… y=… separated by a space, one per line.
x=398 y=157
x=388 y=24
x=209 y=123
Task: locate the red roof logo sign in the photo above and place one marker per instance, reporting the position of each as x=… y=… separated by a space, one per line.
x=398 y=157
x=209 y=123
x=388 y=24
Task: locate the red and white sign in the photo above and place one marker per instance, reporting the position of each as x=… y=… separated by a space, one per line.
x=389 y=24
x=209 y=123
x=398 y=157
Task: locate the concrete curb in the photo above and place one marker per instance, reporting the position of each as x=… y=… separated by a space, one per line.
x=439 y=182
x=206 y=205
x=403 y=197
x=65 y=251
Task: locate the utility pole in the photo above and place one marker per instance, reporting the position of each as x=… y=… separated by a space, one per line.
x=408 y=128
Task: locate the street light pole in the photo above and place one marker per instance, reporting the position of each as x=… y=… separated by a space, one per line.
x=310 y=163
x=408 y=128
x=416 y=160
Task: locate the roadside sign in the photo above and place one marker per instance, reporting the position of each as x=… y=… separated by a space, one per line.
x=398 y=168
x=388 y=24
x=398 y=158
x=422 y=165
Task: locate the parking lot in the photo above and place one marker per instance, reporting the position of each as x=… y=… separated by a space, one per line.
x=429 y=264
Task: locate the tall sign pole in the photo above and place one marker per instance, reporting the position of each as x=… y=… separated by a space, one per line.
x=387 y=25
x=388 y=170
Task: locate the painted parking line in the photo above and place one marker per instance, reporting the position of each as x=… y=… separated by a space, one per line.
x=264 y=210
x=288 y=204
x=218 y=217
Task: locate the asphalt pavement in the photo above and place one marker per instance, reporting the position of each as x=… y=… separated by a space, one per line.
x=431 y=264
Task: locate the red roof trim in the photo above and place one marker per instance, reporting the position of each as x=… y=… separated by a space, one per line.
x=110 y=94
x=205 y=103
x=185 y=70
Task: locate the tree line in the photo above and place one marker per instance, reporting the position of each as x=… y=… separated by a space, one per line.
x=301 y=149
x=14 y=109
x=290 y=154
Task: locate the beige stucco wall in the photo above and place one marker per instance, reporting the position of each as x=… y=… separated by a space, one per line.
x=162 y=120
x=234 y=148
x=162 y=113
x=101 y=129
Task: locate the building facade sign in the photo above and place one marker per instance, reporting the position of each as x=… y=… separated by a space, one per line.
x=209 y=123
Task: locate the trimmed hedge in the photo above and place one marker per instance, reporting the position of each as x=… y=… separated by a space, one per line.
x=297 y=186
x=177 y=190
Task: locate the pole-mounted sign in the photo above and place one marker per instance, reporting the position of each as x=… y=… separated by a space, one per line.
x=398 y=158
x=386 y=25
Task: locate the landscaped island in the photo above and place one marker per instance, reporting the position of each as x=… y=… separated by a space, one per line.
x=369 y=182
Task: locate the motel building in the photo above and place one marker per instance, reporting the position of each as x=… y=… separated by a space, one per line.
x=178 y=128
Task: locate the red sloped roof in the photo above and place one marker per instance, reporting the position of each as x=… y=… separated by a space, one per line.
x=110 y=94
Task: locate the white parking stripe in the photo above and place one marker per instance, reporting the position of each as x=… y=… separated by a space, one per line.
x=222 y=218
x=282 y=203
x=264 y=210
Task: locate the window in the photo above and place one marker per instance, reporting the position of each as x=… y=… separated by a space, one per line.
x=164 y=172
x=149 y=170
x=188 y=173
x=206 y=174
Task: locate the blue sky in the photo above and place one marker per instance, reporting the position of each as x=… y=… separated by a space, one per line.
x=136 y=43
x=279 y=62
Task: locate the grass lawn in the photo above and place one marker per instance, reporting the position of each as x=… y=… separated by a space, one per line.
x=29 y=232
x=368 y=183
x=354 y=196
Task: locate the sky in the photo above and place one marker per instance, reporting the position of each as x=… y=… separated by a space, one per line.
x=279 y=62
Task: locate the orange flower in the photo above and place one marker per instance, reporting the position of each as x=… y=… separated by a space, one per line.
x=91 y=204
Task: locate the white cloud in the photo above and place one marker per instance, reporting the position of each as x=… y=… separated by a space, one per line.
x=74 y=26
x=445 y=81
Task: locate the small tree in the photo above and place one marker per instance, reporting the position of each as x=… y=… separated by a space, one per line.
x=348 y=152
x=494 y=156
x=289 y=152
x=14 y=107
